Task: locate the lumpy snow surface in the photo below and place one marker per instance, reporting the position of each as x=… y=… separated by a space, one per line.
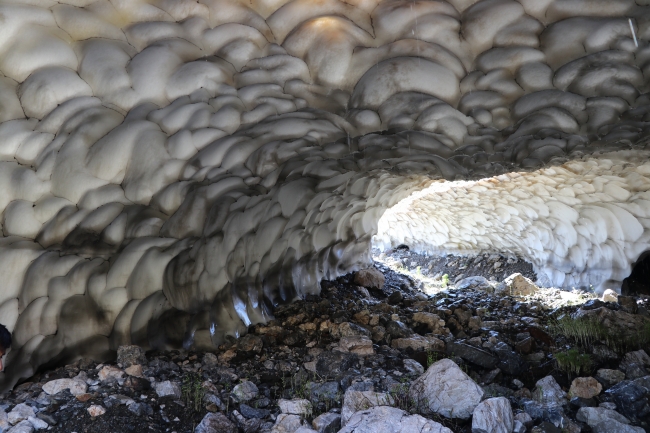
x=171 y=169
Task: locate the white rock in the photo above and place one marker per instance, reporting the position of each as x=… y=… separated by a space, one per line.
x=595 y=415
x=295 y=407
x=287 y=423
x=167 y=388
x=75 y=386
x=354 y=401
x=547 y=391
x=22 y=427
x=445 y=389
x=611 y=425
x=110 y=372
x=245 y=391
x=493 y=415
x=385 y=419
x=610 y=296
x=96 y=410
x=19 y=413
x=38 y=423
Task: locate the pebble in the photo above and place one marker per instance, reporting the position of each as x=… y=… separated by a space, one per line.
x=96 y=410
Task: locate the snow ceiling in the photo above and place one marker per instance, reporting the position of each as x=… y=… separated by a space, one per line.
x=171 y=169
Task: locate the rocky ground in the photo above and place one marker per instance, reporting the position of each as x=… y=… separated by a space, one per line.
x=484 y=351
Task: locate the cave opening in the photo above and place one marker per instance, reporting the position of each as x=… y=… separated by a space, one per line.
x=638 y=283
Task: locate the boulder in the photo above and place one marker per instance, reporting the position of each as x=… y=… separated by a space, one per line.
x=167 y=388
x=250 y=344
x=96 y=410
x=287 y=423
x=476 y=283
x=19 y=413
x=418 y=342
x=354 y=401
x=610 y=296
x=445 y=389
x=109 y=372
x=585 y=387
x=595 y=415
x=76 y=386
x=131 y=355
x=518 y=285
x=611 y=426
x=385 y=419
x=371 y=278
x=472 y=354
x=216 y=423
x=547 y=391
x=630 y=399
x=433 y=321
x=245 y=391
x=359 y=345
x=493 y=415
x=296 y=406
x=328 y=422
x=609 y=377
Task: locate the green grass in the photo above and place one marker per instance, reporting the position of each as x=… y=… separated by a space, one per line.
x=192 y=391
x=574 y=362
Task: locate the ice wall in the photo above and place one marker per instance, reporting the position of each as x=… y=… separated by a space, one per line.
x=170 y=169
x=581 y=224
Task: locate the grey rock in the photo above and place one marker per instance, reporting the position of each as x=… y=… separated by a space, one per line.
x=547 y=391
x=509 y=361
x=140 y=409
x=518 y=427
x=472 y=354
x=630 y=399
x=611 y=426
x=609 y=377
x=354 y=401
x=418 y=342
x=167 y=388
x=22 y=427
x=348 y=329
x=476 y=283
x=287 y=423
x=445 y=389
x=216 y=423
x=245 y=391
x=524 y=418
x=328 y=422
x=298 y=406
x=413 y=367
x=493 y=415
x=250 y=343
x=385 y=419
x=397 y=329
x=595 y=415
x=251 y=412
x=131 y=355
x=210 y=398
x=37 y=423
x=76 y=386
x=19 y=413
x=335 y=363
x=324 y=391
x=370 y=278
x=518 y=285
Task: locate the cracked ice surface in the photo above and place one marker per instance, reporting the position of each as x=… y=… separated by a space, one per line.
x=172 y=169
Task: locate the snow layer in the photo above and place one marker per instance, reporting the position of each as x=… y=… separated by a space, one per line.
x=170 y=170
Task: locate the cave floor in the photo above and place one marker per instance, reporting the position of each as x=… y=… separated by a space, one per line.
x=306 y=352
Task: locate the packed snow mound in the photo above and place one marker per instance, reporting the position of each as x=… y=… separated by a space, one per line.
x=171 y=170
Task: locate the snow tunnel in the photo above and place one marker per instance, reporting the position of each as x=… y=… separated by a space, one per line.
x=172 y=170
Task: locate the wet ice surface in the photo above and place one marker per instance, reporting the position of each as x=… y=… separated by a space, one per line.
x=172 y=170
